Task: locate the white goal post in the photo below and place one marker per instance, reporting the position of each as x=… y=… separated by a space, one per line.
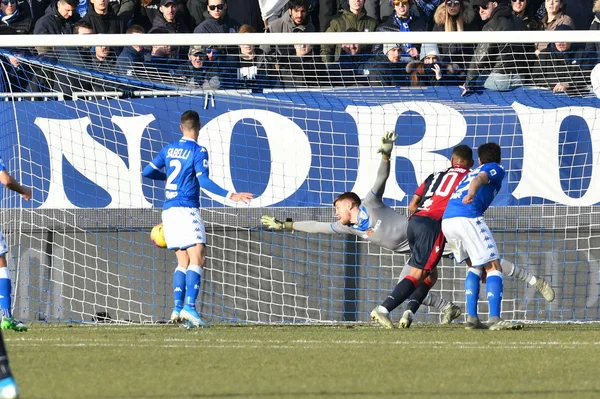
x=81 y=252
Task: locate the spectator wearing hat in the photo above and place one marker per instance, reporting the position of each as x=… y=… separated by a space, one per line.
x=168 y=18
x=495 y=64
x=564 y=67
x=16 y=16
x=455 y=16
x=429 y=71
x=403 y=20
x=387 y=69
x=132 y=57
x=200 y=72
x=555 y=15
x=353 y=16
x=294 y=20
x=103 y=19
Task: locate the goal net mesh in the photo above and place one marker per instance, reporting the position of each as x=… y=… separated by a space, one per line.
x=79 y=124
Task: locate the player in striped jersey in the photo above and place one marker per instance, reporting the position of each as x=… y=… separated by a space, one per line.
x=372 y=220
x=425 y=238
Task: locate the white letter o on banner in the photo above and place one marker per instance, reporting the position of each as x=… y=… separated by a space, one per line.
x=290 y=154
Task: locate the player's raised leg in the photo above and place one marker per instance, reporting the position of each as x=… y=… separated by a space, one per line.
x=511 y=270
x=8 y=386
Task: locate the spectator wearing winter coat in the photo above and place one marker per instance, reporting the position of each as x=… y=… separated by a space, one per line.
x=353 y=16
x=132 y=57
x=555 y=16
x=387 y=69
x=16 y=16
x=168 y=19
x=58 y=19
x=455 y=16
x=495 y=64
x=294 y=20
x=103 y=19
x=593 y=48
x=402 y=20
x=564 y=67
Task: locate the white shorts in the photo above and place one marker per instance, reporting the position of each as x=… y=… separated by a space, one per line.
x=470 y=238
x=183 y=227
x=3 y=246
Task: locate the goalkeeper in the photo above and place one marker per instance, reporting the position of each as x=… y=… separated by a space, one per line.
x=375 y=222
x=379 y=224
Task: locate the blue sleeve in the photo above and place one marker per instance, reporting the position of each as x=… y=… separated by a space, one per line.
x=210 y=185
x=2 y=167
x=154 y=174
x=494 y=171
x=152 y=170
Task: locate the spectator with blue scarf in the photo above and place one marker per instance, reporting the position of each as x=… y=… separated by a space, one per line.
x=15 y=17
x=402 y=20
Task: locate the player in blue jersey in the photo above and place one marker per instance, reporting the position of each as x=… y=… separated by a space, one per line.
x=8 y=386
x=186 y=164
x=471 y=240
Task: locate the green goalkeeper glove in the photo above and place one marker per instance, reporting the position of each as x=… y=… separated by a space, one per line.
x=387 y=143
x=275 y=224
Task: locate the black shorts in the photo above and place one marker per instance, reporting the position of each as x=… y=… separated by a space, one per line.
x=426 y=242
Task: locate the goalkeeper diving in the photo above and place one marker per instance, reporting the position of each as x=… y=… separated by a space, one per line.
x=374 y=221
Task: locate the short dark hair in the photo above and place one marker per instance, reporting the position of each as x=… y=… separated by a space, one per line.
x=463 y=152
x=489 y=152
x=72 y=3
x=348 y=195
x=82 y=24
x=190 y=119
x=293 y=4
x=135 y=29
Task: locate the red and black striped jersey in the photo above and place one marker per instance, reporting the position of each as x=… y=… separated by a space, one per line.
x=436 y=190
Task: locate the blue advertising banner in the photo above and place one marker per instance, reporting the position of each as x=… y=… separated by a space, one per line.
x=303 y=148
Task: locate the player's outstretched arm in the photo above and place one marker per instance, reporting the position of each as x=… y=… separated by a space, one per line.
x=9 y=182
x=272 y=223
x=308 y=226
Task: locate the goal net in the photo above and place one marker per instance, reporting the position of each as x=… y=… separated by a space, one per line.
x=78 y=125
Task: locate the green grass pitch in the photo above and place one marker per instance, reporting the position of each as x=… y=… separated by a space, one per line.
x=426 y=361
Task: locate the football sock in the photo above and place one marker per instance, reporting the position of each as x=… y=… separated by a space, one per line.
x=472 y=282
x=403 y=290
x=4 y=367
x=436 y=301
x=5 y=288
x=509 y=269
x=179 y=287
x=192 y=285
x=417 y=297
x=494 y=287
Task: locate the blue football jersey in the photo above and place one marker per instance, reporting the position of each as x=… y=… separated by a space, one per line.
x=484 y=196
x=185 y=161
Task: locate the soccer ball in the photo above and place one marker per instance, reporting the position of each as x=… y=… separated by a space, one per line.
x=157 y=235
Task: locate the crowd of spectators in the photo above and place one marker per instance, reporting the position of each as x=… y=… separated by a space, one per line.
x=560 y=67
